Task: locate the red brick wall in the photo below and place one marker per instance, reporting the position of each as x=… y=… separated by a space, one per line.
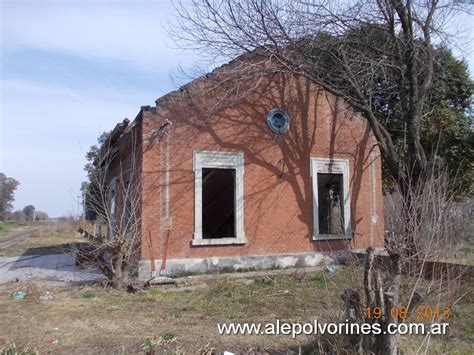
x=277 y=211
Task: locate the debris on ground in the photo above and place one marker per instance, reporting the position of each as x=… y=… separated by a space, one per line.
x=18 y=295
x=161 y=280
x=331 y=269
x=48 y=296
x=280 y=293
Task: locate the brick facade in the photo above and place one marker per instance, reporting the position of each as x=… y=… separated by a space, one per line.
x=277 y=182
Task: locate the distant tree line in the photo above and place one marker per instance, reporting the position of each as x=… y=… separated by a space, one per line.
x=8 y=185
x=29 y=213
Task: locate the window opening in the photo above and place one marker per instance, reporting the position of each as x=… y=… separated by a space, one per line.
x=218 y=201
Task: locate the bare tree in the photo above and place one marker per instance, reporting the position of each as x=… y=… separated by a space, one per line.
x=434 y=216
x=379 y=57
x=113 y=198
x=357 y=50
x=362 y=51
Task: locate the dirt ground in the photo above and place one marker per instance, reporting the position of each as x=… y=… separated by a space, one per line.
x=84 y=319
x=42 y=238
x=91 y=319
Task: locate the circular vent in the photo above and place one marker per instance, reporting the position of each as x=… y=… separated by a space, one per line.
x=278 y=121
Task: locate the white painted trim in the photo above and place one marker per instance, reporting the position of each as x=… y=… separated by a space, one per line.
x=219 y=160
x=328 y=166
x=218 y=241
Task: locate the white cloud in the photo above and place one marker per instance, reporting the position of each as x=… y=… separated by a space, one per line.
x=47 y=130
x=50 y=116
x=131 y=33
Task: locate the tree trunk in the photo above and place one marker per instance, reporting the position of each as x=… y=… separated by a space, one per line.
x=384 y=343
x=368 y=277
x=368 y=340
x=389 y=344
x=120 y=278
x=391 y=299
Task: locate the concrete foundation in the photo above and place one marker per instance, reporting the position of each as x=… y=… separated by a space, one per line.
x=203 y=265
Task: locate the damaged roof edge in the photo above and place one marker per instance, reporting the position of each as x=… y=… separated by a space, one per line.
x=117 y=131
x=243 y=58
x=116 y=135
x=107 y=148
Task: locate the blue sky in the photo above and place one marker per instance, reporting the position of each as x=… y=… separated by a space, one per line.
x=70 y=70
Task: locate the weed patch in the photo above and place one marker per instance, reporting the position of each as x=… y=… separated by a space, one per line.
x=88 y=295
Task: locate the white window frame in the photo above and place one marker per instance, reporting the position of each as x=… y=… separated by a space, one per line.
x=331 y=166
x=219 y=160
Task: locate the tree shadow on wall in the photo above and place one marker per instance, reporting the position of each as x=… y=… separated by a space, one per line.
x=230 y=115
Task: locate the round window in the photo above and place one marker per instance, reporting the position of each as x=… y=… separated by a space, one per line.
x=278 y=121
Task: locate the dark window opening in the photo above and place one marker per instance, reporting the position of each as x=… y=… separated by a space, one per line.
x=218 y=203
x=330 y=204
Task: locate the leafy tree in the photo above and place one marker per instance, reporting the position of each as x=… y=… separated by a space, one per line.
x=41 y=216
x=94 y=153
x=446 y=126
x=8 y=186
x=90 y=189
x=29 y=212
x=17 y=216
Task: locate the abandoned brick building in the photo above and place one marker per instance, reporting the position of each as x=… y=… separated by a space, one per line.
x=285 y=174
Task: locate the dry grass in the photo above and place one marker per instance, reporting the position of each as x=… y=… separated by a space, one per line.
x=12 y=226
x=93 y=319
x=463 y=253
x=50 y=238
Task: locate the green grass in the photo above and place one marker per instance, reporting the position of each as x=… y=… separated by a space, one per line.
x=8 y=226
x=465 y=251
x=88 y=295
x=226 y=270
x=318 y=277
x=168 y=336
x=97 y=319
